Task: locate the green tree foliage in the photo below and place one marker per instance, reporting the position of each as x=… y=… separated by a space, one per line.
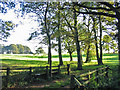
x=13 y=48
x=71 y=18
x=109 y=9
x=106 y=47
x=107 y=39
x=27 y=50
x=46 y=13
x=87 y=38
x=16 y=49
x=5 y=28
x=39 y=51
x=1 y=47
x=97 y=24
x=59 y=35
x=114 y=47
x=67 y=15
x=69 y=45
x=109 y=44
x=20 y=48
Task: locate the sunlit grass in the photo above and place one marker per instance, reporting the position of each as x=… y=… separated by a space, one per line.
x=21 y=61
x=33 y=61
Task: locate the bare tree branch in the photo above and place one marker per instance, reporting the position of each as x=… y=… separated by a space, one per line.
x=108 y=5
x=93 y=8
x=98 y=13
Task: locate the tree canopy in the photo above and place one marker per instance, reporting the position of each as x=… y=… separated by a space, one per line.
x=15 y=49
x=76 y=25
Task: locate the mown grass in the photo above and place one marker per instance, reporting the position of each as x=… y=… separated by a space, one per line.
x=13 y=61
x=35 y=56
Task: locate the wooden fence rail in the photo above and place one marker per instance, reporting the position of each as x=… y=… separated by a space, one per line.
x=82 y=84
x=30 y=69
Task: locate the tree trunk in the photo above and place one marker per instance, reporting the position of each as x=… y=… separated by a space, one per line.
x=49 y=42
x=77 y=42
x=81 y=54
x=88 y=58
x=59 y=37
x=49 y=55
x=100 y=60
x=78 y=54
x=118 y=27
x=108 y=51
x=60 y=54
x=70 y=56
x=97 y=54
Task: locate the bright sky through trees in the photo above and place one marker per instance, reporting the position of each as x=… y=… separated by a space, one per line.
x=21 y=32
x=25 y=25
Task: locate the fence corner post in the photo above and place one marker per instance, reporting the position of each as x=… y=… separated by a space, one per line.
x=68 y=69
x=59 y=69
x=72 y=81
x=47 y=72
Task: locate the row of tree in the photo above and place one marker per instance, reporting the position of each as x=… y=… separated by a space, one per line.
x=15 y=49
x=62 y=22
x=77 y=26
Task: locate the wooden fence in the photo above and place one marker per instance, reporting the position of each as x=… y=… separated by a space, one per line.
x=30 y=71
x=76 y=83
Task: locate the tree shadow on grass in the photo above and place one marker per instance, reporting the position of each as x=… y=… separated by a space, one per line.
x=35 y=56
x=110 y=54
x=115 y=58
x=26 y=63
x=13 y=62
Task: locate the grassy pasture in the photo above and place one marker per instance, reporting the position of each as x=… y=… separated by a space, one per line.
x=35 y=60
x=20 y=61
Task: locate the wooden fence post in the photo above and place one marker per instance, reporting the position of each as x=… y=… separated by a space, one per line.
x=88 y=77
x=68 y=69
x=30 y=71
x=58 y=69
x=47 y=72
x=106 y=71
x=102 y=70
x=72 y=82
x=8 y=71
x=97 y=75
x=7 y=77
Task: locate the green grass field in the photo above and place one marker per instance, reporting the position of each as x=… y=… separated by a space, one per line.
x=16 y=61
x=35 y=60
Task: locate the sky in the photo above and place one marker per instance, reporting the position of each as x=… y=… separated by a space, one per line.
x=21 y=33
